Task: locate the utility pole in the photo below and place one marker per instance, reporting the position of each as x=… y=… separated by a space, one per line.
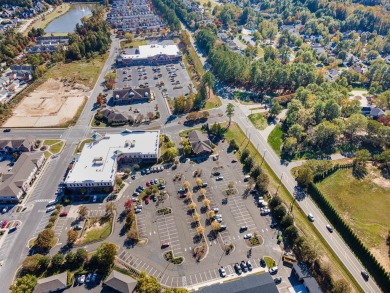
x=280 y=182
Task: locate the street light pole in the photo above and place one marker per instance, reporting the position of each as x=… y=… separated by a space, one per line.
x=280 y=182
x=265 y=151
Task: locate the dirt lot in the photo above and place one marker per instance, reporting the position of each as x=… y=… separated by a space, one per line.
x=52 y=103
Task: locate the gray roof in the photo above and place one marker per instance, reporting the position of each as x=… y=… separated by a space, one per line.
x=121 y=282
x=199 y=142
x=16 y=142
x=250 y=284
x=132 y=94
x=11 y=182
x=305 y=275
x=113 y=115
x=52 y=284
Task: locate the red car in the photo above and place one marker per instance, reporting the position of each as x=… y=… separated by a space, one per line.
x=146 y=200
x=4 y=224
x=148 y=183
x=164 y=245
x=63 y=214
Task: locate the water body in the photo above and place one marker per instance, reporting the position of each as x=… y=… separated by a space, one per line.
x=66 y=23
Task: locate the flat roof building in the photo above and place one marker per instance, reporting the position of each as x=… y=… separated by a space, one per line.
x=97 y=164
x=152 y=54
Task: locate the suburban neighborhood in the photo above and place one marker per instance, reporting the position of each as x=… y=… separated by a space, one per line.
x=194 y=146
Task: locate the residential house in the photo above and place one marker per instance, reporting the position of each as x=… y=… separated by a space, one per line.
x=18 y=180
x=250 y=284
x=121 y=282
x=332 y=74
x=10 y=145
x=53 y=283
x=373 y=112
x=131 y=96
x=304 y=276
x=113 y=116
x=200 y=143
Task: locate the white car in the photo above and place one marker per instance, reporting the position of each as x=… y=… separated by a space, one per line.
x=137 y=211
x=81 y=279
x=311 y=217
x=94 y=198
x=222 y=272
x=273 y=270
x=248 y=236
x=50 y=209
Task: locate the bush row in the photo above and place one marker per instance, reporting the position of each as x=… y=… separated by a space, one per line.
x=360 y=250
x=323 y=175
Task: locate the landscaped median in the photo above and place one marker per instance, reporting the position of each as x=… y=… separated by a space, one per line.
x=52 y=146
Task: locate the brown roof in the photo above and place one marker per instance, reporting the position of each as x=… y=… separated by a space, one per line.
x=52 y=284
x=199 y=142
x=113 y=115
x=131 y=94
x=121 y=282
x=16 y=142
x=11 y=182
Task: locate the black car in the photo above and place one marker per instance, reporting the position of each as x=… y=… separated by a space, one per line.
x=262 y=262
x=244 y=267
x=278 y=280
x=217 y=173
x=238 y=269
x=365 y=275
x=7 y=130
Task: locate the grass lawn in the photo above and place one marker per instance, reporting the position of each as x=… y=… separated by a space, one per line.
x=81 y=144
x=364 y=205
x=96 y=233
x=258 y=120
x=56 y=148
x=49 y=142
x=185 y=132
x=85 y=72
x=134 y=44
x=269 y=261
x=213 y=102
x=198 y=64
x=205 y=2
x=300 y=218
x=43 y=22
x=275 y=139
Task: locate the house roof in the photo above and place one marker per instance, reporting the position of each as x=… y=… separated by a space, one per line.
x=16 y=142
x=52 y=284
x=303 y=272
x=121 y=282
x=250 y=284
x=377 y=112
x=199 y=142
x=133 y=94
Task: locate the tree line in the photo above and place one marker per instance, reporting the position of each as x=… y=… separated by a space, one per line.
x=163 y=8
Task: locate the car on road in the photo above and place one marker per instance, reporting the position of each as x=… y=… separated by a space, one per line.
x=330 y=228
x=243 y=228
x=137 y=211
x=311 y=217
x=81 y=279
x=164 y=245
x=273 y=270
x=278 y=280
x=248 y=236
x=262 y=262
x=249 y=265
x=219 y=178
x=63 y=214
x=237 y=268
x=243 y=266
x=222 y=272
x=146 y=200
x=365 y=275
x=7 y=130
x=88 y=278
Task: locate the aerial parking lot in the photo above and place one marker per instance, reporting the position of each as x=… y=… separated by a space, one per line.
x=177 y=230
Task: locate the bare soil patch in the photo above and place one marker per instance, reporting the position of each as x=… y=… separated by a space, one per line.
x=54 y=102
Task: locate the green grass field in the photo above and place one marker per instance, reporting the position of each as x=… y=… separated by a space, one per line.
x=133 y=44
x=81 y=145
x=275 y=139
x=56 y=148
x=300 y=218
x=258 y=121
x=364 y=205
x=95 y=234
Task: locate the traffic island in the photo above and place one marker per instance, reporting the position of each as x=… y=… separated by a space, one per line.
x=169 y=257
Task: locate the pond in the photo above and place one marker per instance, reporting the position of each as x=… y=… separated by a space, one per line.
x=66 y=23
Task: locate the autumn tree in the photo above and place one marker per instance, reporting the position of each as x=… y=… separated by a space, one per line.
x=215 y=226
x=45 y=239
x=83 y=212
x=72 y=236
x=148 y=284
x=25 y=284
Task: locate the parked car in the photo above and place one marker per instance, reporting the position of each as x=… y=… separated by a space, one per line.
x=219 y=178
x=330 y=228
x=81 y=279
x=139 y=206
x=249 y=265
x=94 y=198
x=164 y=245
x=222 y=228
x=204 y=184
x=134 y=199
x=63 y=214
x=181 y=190
x=216 y=173
x=161 y=186
x=222 y=272
x=146 y=200
x=273 y=270
x=237 y=268
x=278 y=280
x=243 y=266
x=248 y=236
x=4 y=224
x=137 y=211
x=148 y=183
x=77 y=227
x=243 y=228
x=264 y=211
x=262 y=262
x=94 y=276
x=135 y=194
x=50 y=209
x=311 y=217
x=88 y=279
x=273 y=225
x=234 y=161
x=216 y=210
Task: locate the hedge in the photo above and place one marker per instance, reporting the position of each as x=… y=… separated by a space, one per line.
x=353 y=241
x=323 y=175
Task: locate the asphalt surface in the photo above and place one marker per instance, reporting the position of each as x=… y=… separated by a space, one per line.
x=55 y=169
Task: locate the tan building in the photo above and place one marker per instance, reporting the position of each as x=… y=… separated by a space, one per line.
x=18 y=180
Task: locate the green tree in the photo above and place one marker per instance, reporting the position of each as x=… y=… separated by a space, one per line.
x=148 y=284
x=45 y=239
x=279 y=212
x=276 y=109
x=80 y=257
x=245 y=154
x=291 y=233
x=110 y=207
x=233 y=144
x=187 y=150
x=256 y=171
x=230 y=112
x=331 y=110
x=25 y=284
x=208 y=80
x=129 y=37
x=105 y=256
x=275 y=201
x=31 y=264
x=290 y=146
x=170 y=154
x=57 y=261
x=262 y=183
x=286 y=221
x=355 y=123
x=305 y=176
